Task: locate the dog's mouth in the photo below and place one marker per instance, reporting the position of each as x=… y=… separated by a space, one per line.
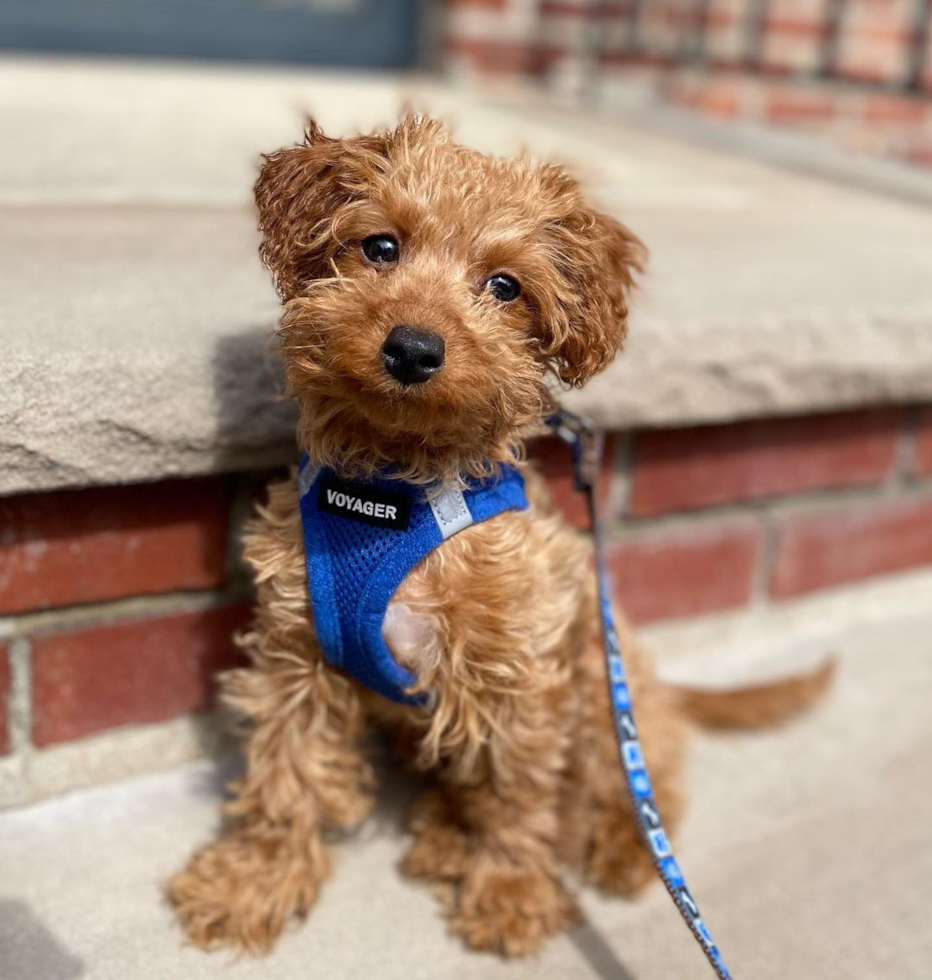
x=421 y=412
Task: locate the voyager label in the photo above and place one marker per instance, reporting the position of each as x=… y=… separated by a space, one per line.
x=360 y=502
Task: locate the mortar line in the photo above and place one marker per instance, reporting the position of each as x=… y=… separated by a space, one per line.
x=622 y=469
x=905 y=458
x=20 y=654
x=763 y=573
x=62 y=618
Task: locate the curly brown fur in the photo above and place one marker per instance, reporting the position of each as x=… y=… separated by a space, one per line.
x=500 y=623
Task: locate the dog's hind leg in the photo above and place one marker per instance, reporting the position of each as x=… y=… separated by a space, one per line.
x=304 y=770
x=441 y=848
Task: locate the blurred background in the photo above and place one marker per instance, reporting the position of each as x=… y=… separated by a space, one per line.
x=854 y=70
x=768 y=480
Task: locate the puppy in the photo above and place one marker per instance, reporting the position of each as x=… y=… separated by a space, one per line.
x=508 y=279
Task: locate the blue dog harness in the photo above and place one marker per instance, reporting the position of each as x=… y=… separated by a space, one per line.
x=362 y=540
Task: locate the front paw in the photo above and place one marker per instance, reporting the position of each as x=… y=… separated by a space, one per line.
x=511 y=910
x=241 y=892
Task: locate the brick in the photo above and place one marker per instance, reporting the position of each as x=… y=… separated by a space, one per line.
x=831 y=547
x=554 y=461
x=795 y=107
x=79 y=546
x=504 y=56
x=680 y=17
x=920 y=155
x=899 y=111
x=789 y=52
x=885 y=35
x=5 y=686
x=922 y=460
x=666 y=574
x=129 y=672
x=856 y=71
x=794 y=26
x=685 y=469
x=486 y=4
x=581 y=8
x=717 y=102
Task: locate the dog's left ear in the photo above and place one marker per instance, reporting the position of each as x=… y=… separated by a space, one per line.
x=598 y=258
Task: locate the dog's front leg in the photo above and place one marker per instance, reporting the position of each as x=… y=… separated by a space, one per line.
x=510 y=897
x=304 y=774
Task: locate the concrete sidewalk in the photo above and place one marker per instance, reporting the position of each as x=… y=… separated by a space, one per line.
x=809 y=847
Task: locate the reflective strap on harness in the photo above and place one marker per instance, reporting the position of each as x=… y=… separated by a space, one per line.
x=586 y=443
x=450 y=511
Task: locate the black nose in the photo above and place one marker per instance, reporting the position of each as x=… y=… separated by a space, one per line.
x=411 y=355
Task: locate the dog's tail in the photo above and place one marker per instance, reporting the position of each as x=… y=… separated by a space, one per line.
x=758 y=705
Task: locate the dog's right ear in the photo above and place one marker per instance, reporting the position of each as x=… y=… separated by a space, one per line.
x=299 y=190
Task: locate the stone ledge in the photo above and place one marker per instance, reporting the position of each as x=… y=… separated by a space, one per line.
x=137 y=321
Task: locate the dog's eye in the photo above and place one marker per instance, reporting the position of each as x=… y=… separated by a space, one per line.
x=380 y=249
x=503 y=288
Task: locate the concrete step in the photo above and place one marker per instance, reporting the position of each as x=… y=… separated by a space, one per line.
x=769 y=292
x=807 y=845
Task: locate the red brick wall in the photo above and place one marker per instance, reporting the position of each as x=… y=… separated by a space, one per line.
x=873 y=38
x=830 y=546
x=667 y=573
x=708 y=518
x=133 y=671
x=775 y=85
x=123 y=599
x=82 y=546
x=858 y=119
x=687 y=469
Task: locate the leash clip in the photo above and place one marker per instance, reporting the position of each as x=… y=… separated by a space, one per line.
x=579 y=432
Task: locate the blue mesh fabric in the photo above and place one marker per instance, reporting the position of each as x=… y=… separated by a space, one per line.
x=355 y=568
x=357 y=548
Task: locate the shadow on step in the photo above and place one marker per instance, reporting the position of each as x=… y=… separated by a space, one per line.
x=599 y=955
x=29 y=949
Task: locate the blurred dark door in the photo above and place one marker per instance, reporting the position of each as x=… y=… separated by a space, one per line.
x=359 y=33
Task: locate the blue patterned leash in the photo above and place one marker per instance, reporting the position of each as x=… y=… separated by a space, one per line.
x=586 y=443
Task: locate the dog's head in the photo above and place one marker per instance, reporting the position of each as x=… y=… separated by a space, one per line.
x=429 y=293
